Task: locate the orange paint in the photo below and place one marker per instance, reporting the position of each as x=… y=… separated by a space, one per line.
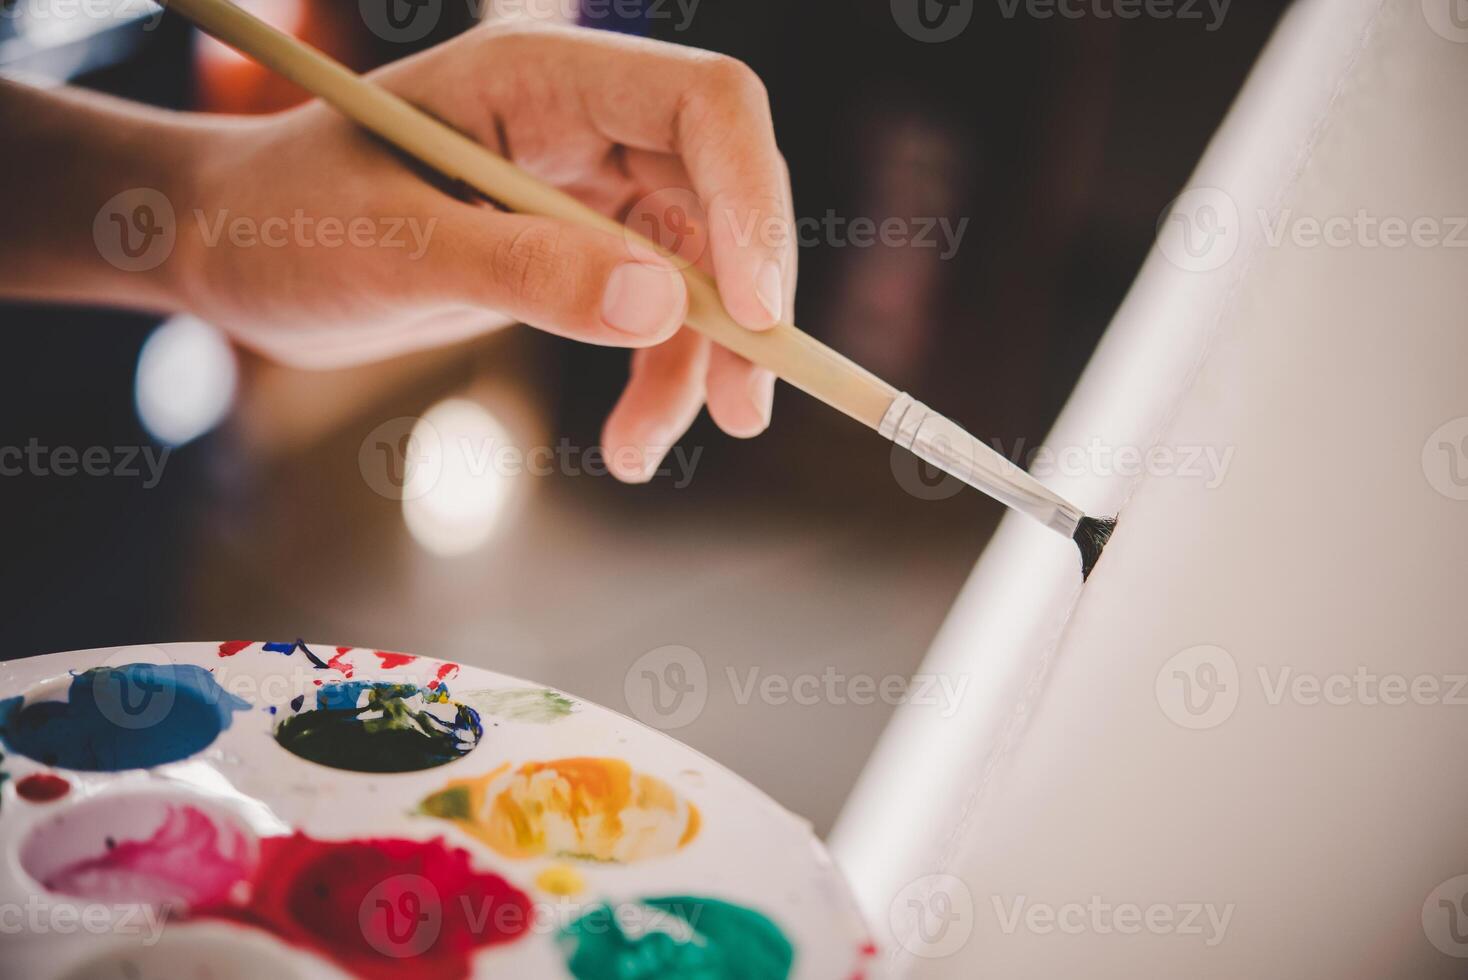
x=587 y=809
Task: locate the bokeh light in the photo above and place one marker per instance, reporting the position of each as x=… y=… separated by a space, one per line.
x=459 y=512
x=185 y=380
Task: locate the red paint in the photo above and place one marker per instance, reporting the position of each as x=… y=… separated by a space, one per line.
x=337 y=663
x=382 y=909
x=231 y=647
x=391 y=660
x=867 y=951
x=445 y=671
x=42 y=787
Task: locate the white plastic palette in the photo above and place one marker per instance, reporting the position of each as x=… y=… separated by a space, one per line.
x=625 y=850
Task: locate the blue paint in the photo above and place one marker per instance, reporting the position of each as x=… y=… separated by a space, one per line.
x=131 y=717
x=290 y=648
x=347 y=695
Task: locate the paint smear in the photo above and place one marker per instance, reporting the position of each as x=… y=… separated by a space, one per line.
x=191 y=859
x=383 y=909
x=445 y=671
x=535 y=705
x=42 y=787
x=390 y=660
x=376 y=727
x=562 y=880
x=586 y=809
x=132 y=717
x=339 y=662
x=674 y=939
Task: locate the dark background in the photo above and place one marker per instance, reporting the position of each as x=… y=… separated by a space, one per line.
x=804 y=551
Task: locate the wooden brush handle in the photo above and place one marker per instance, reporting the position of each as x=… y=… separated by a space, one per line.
x=793 y=355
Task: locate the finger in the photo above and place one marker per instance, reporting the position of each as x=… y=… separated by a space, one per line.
x=577 y=282
x=661 y=400
x=740 y=395
x=332 y=348
x=710 y=110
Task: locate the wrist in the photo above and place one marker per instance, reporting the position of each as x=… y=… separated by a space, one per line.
x=201 y=176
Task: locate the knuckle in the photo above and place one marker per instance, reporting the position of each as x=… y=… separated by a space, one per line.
x=762 y=211
x=730 y=75
x=529 y=261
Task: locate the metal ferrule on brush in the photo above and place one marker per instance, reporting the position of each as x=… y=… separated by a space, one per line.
x=944 y=444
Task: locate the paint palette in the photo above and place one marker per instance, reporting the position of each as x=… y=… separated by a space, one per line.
x=237 y=810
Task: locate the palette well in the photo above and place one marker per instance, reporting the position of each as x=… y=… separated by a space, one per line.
x=229 y=810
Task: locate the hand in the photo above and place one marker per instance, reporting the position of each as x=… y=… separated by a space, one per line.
x=607 y=118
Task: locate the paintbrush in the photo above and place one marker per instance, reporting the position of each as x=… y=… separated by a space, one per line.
x=791 y=354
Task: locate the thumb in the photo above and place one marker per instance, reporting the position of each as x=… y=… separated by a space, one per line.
x=582 y=283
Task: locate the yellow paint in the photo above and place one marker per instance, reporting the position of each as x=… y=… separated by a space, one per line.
x=560 y=880
x=588 y=809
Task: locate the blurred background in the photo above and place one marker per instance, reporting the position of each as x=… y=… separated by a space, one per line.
x=1026 y=160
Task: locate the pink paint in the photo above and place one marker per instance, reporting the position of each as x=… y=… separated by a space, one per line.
x=232 y=647
x=383 y=909
x=339 y=662
x=190 y=859
x=42 y=787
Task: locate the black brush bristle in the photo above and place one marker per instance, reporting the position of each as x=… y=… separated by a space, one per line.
x=1091 y=536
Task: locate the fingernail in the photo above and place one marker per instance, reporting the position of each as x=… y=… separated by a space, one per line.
x=643 y=300
x=770 y=290
x=762 y=394
x=654 y=450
